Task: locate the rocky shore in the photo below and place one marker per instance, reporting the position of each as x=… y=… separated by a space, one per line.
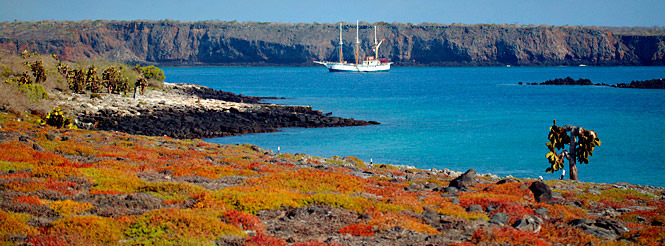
x=193 y=111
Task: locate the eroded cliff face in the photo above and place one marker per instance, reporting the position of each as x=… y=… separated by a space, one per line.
x=225 y=43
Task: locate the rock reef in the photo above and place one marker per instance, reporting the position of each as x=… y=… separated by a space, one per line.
x=646 y=84
x=192 y=111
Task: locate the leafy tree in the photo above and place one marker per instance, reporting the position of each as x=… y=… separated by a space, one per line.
x=92 y=80
x=581 y=144
x=38 y=71
x=76 y=81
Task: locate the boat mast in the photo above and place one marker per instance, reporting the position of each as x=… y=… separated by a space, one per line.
x=357 y=43
x=376 y=46
x=340 y=44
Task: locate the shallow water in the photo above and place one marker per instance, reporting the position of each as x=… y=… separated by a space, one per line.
x=460 y=118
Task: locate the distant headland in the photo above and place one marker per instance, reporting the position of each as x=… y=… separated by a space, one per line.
x=219 y=43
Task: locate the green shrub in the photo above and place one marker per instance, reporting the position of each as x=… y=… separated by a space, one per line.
x=35 y=92
x=152 y=72
x=6 y=71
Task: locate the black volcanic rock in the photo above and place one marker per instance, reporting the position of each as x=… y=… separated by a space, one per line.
x=647 y=84
x=255 y=44
x=192 y=111
x=565 y=81
x=541 y=191
x=463 y=181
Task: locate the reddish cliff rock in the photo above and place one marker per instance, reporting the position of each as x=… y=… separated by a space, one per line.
x=251 y=43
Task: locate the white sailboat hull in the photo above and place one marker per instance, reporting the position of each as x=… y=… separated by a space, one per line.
x=349 y=67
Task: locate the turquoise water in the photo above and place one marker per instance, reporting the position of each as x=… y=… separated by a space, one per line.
x=461 y=118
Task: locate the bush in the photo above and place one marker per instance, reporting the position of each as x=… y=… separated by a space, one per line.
x=35 y=92
x=152 y=72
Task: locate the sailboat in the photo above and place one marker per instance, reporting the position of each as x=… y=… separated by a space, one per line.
x=369 y=64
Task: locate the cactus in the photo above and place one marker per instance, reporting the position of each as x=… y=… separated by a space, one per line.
x=581 y=146
x=92 y=80
x=58 y=119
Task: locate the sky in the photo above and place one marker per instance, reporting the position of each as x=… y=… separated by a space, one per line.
x=550 y=12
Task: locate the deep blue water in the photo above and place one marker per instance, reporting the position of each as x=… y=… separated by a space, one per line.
x=461 y=118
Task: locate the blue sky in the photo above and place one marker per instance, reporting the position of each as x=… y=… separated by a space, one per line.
x=551 y=12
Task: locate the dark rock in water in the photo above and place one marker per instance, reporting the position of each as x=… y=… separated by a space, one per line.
x=646 y=84
x=463 y=181
x=564 y=81
x=541 y=191
x=499 y=219
x=23 y=138
x=529 y=224
x=50 y=136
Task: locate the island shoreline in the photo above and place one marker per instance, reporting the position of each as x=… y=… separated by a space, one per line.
x=189 y=111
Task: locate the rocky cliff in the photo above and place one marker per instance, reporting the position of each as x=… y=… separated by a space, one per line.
x=251 y=43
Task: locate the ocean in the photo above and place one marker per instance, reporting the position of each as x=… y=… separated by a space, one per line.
x=461 y=117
